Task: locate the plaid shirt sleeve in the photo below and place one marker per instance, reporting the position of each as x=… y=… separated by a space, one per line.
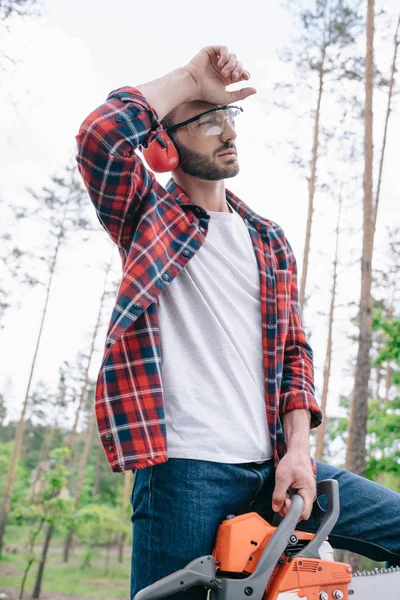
x=297 y=388
x=114 y=175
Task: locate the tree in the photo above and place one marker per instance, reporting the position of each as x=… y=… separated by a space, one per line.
x=382 y=439
x=319 y=453
x=355 y=459
x=322 y=57
x=12 y=8
x=89 y=358
x=81 y=473
x=53 y=508
x=98 y=524
x=63 y=204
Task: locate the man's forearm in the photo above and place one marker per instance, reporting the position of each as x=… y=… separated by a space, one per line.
x=296 y=425
x=167 y=92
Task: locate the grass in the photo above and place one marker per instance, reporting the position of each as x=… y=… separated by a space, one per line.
x=64 y=580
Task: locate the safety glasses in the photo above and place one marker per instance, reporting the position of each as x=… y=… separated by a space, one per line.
x=210 y=122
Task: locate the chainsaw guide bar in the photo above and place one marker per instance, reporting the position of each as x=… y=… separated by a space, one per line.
x=368 y=585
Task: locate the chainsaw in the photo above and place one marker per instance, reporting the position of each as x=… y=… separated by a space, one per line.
x=253 y=559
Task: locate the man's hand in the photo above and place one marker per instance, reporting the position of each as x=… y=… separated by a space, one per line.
x=213 y=69
x=294 y=471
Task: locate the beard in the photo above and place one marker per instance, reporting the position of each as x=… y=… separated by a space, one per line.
x=202 y=166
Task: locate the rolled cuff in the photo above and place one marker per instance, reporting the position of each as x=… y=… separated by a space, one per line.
x=298 y=399
x=137 y=104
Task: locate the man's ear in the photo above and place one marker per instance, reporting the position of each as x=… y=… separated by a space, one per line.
x=162 y=154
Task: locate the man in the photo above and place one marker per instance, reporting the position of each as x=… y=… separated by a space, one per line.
x=206 y=387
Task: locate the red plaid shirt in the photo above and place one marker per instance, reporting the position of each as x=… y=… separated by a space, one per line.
x=157 y=231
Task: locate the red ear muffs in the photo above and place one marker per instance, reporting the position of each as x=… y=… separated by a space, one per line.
x=161 y=155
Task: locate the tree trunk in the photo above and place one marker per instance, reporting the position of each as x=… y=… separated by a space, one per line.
x=44 y=446
x=107 y=558
x=328 y=358
x=121 y=547
x=355 y=459
x=81 y=475
x=388 y=111
x=21 y=423
x=312 y=181
x=378 y=371
x=82 y=398
x=31 y=559
x=39 y=577
x=388 y=381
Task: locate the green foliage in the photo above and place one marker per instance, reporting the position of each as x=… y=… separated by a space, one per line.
x=98 y=525
x=21 y=476
x=391 y=330
x=51 y=508
x=383 y=444
x=383 y=439
x=63 y=580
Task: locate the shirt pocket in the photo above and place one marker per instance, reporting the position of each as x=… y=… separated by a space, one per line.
x=283 y=280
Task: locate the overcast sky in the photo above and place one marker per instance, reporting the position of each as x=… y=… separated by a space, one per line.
x=68 y=61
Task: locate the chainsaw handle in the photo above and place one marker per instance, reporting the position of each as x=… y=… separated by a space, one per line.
x=200 y=571
x=327 y=518
x=258 y=580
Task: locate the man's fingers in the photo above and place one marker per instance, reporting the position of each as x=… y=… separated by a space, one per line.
x=223 y=53
x=238 y=95
x=280 y=492
x=229 y=66
x=237 y=72
x=308 y=504
x=286 y=505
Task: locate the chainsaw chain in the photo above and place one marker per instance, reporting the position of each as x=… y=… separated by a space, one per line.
x=376 y=571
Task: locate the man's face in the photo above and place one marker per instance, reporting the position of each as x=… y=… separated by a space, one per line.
x=211 y=157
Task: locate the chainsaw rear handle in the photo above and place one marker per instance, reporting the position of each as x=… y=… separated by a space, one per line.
x=328 y=518
x=202 y=570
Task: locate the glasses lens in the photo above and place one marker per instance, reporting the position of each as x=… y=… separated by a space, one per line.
x=213 y=123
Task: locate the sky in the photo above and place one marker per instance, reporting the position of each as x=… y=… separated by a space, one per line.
x=68 y=60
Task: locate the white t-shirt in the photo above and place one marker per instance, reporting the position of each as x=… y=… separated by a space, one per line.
x=211 y=351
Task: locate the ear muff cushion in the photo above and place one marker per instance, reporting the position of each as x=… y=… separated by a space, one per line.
x=161 y=155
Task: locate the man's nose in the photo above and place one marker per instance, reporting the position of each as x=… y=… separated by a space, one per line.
x=228 y=133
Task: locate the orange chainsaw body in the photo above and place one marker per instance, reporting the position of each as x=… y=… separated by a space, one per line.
x=239 y=545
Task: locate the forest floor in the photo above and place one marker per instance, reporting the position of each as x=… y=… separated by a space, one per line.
x=65 y=581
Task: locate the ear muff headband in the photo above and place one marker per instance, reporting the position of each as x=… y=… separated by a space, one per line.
x=161 y=155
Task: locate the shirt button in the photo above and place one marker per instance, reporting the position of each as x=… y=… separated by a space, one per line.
x=185 y=252
x=202 y=229
x=137 y=305
x=110 y=448
x=108 y=437
x=165 y=277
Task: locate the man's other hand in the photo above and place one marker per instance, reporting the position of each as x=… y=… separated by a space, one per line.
x=294 y=471
x=213 y=69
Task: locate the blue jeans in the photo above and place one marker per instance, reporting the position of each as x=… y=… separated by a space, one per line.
x=178 y=506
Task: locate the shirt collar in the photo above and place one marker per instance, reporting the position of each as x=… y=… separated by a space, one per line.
x=262 y=225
